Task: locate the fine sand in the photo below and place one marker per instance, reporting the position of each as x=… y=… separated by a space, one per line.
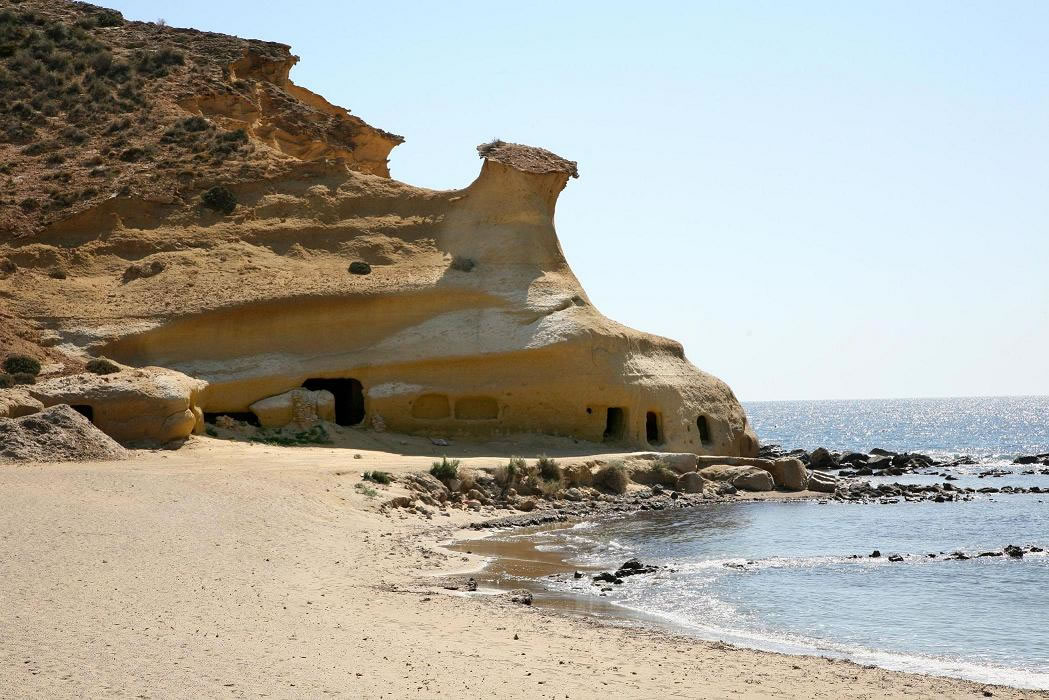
x=233 y=570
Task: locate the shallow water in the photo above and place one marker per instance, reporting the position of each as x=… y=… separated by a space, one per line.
x=799 y=591
x=781 y=575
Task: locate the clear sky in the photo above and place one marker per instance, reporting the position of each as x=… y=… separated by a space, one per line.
x=819 y=199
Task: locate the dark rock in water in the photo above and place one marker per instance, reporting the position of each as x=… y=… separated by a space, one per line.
x=471 y=585
x=771 y=452
x=875 y=554
x=633 y=567
x=578 y=574
x=865 y=471
x=853 y=458
x=879 y=462
x=989 y=554
x=1035 y=549
x=606 y=576
x=820 y=458
x=895 y=557
x=1014 y=551
x=881 y=452
x=960 y=556
x=1026 y=459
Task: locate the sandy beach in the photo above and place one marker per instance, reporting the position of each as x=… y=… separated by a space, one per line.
x=226 y=569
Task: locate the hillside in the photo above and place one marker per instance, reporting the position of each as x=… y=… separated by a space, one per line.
x=180 y=203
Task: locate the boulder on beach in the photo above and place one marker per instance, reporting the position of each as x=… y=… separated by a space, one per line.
x=789 y=473
x=822 y=482
x=821 y=458
x=742 y=477
x=692 y=482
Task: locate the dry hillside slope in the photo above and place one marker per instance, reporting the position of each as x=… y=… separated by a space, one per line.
x=176 y=202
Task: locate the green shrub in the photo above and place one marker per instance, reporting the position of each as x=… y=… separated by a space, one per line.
x=101 y=365
x=6 y=381
x=156 y=63
x=509 y=474
x=108 y=18
x=130 y=155
x=360 y=268
x=23 y=378
x=446 y=469
x=21 y=364
x=366 y=490
x=316 y=435
x=549 y=469
x=220 y=199
x=612 y=477
x=378 y=477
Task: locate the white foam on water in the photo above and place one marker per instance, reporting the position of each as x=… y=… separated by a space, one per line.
x=799 y=645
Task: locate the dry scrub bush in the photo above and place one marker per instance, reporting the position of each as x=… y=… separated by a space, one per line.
x=467 y=479
x=101 y=365
x=549 y=469
x=21 y=364
x=612 y=477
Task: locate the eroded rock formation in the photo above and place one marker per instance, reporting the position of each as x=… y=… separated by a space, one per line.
x=465 y=321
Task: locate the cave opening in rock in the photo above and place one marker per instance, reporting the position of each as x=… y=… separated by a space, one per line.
x=615 y=423
x=653 y=430
x=349 y=398
x=704 y=430
x=243 y=416
x=85 y=410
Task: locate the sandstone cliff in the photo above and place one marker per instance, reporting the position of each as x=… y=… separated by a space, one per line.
x=449 y=313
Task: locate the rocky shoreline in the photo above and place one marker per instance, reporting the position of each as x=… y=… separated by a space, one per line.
x=646 y=481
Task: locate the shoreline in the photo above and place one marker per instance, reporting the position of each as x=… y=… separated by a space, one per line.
x=509 y=556
x=225 y=569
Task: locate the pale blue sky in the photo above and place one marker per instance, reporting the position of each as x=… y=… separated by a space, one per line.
x=819 y=199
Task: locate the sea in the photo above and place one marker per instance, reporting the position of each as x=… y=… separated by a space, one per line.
x=797 y=577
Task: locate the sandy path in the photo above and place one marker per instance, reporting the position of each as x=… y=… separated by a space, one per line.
x=224 y=570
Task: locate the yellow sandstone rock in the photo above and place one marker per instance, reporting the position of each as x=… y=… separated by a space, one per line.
x=442 y=313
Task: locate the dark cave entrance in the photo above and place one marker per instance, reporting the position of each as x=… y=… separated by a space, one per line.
x=349 y=398
x=615 y=423
x=704 y=429
x=85 y=410
x=653 y=429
